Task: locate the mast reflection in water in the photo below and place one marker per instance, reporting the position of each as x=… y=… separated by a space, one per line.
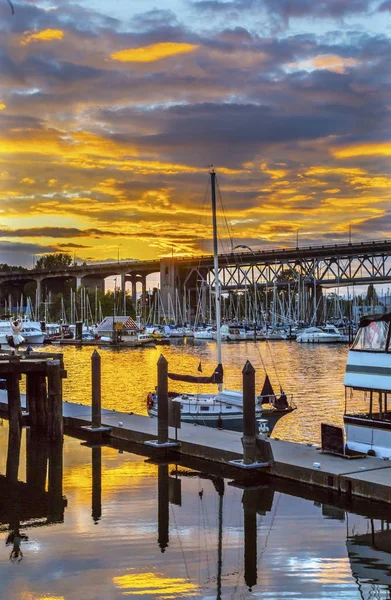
x=131 y=526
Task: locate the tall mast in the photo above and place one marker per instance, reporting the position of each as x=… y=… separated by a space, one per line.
x=216 y=267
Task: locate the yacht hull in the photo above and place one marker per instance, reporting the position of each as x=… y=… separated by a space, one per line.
x=364 y=434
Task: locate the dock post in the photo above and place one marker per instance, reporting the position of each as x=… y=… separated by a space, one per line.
x=96 y=389
x=250 y=538
x=248 y=439
x=162 y=407
x=55 y=421
x=257 y=452
x=162 y=400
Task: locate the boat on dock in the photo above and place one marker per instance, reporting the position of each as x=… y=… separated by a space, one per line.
x=223 y=409
x=367 y=387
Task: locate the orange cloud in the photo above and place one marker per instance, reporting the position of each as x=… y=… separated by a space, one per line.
x=152 y=53
x=330 y=62
x=27 y=180
x=375 y=149
x=47 y=35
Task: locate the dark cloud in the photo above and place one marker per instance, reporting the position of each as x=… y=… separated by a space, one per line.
x=287 y=9
x=56 y=232
x=385 y=6
x=71 y=245
x=154 y=19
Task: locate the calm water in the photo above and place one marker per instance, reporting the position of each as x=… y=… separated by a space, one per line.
x=218 y=541
x=314 y=374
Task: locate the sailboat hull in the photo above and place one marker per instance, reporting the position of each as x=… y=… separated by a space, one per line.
x=224 y=418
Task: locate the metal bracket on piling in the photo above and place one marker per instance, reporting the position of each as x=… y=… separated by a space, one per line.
x=92 y=429
x=157 y=444
x=255 y=465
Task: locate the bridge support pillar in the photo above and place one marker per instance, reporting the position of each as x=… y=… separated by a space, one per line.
x=38 y=299
x=78 y=282
x=169 y=282
x=143 y=295
x=134 y=292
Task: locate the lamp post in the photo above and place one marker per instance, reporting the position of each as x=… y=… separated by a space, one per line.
x=118 y=252
x=297 y=239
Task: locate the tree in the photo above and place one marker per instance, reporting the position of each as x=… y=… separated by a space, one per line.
x=54 y=261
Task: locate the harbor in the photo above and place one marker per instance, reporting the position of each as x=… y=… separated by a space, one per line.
x=304 y=462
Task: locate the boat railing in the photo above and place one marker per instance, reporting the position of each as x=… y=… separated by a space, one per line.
x=384 y=416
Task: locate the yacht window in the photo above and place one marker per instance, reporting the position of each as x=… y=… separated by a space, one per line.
x=204 y=407
x=372 y=338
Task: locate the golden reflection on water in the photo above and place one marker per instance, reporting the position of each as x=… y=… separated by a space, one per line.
x=138 y=584
x=312 y=373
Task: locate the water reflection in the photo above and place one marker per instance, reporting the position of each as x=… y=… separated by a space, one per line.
x=176 y=531
x=370 y=557
x=39 y=500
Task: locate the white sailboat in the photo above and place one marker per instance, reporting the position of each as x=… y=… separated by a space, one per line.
x=223 y=408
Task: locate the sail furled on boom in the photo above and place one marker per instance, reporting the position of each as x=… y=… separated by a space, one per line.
x=216 y=377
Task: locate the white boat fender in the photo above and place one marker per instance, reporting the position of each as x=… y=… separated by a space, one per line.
x=316 y=465
x=120 y=424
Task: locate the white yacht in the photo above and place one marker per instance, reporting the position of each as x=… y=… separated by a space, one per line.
x=203 y=333
x=322 y=335
x=31 y=332
x=231 y=333
x=367 y=383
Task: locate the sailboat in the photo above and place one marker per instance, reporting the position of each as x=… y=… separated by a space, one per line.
x=223 y=409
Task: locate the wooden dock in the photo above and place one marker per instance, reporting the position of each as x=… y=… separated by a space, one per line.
x=365 y=477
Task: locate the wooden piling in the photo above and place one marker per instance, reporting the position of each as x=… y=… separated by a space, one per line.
x=55 y=423
x=32 y=398
x=96 y=389
x=162 y=396
x=249 y=429
x=42 y=404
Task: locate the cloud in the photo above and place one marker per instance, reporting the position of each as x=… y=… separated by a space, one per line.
x=47 y=35
x=152 y=53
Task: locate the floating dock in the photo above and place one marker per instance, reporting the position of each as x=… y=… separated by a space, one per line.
x=364 y=477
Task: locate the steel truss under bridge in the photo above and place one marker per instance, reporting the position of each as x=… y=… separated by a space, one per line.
x=328 y=266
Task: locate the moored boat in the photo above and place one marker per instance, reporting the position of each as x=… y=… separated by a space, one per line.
x=367 y=387
x=322 y=335
x=225 y=408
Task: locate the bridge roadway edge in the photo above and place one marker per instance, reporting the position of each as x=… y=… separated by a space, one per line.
x=368 y=478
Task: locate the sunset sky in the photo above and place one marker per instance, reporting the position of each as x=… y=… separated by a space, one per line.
x=111 y=112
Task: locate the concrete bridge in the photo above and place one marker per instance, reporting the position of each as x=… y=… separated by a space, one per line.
x=327 y=265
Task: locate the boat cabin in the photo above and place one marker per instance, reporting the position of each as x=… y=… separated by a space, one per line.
x=368 y=387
